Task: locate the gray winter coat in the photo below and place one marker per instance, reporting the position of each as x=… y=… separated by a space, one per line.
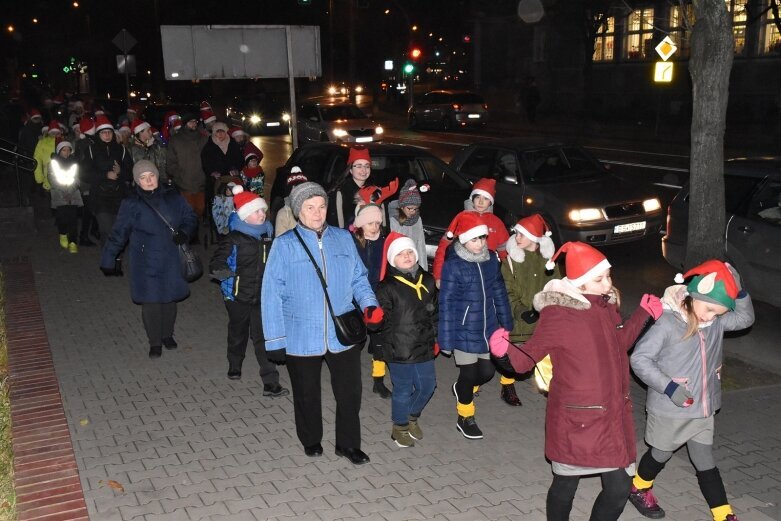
x=183 y=160
x=662 y=355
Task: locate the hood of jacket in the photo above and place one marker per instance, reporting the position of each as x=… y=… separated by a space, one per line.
x=561 y=292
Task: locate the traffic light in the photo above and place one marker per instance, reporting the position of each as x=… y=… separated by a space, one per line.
x=415 y=53
x=409 y=68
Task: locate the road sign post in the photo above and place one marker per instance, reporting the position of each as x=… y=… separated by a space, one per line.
x=125 y=41
x=663 y=72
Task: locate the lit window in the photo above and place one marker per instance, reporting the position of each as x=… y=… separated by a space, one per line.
x=681 y=20
x=770 y=39
x=603 y=45
x=739 y=14
x=639 y=34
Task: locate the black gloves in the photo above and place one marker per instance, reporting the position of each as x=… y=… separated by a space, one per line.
x=111 y=272
x=530 y=317
x=503 y=365
x=277 y=356
x=180 y=237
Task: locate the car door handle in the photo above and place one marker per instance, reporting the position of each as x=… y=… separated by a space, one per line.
x=745 y=229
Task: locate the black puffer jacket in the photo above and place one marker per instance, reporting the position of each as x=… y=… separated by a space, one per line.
x=410 y=327
x=98 y=160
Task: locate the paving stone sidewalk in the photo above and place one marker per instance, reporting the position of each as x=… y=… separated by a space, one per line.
x=186 y=443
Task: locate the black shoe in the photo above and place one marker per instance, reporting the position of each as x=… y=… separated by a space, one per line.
x=275 y=390
x=314 y=450
x=356 y=456
x=84 y=241
x=155 y=351
x=170 y=343
x=379 y=387
x=509 y=395
x=468 y=427
x=234 y=372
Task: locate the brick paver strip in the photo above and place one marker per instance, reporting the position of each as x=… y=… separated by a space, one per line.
x=45 y=473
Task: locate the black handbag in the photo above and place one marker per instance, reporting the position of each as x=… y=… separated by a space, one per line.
x=192 y=267
x=350 y=327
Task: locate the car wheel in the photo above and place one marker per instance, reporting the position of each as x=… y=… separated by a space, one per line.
x=446 y=123
x=413 y=121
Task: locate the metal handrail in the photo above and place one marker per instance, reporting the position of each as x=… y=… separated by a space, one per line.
x=18 y=161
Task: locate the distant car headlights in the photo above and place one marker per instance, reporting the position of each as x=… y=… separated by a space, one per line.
x=585 y=215
x=254 y=119
x=358 y=89
x=651 y=205
x=285 y=117
x=379 y=130
x=332 y=90
x=340 y=132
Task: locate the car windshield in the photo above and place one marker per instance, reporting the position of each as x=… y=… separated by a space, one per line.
x=557 y=164
x=468 y=97
x=342 y=112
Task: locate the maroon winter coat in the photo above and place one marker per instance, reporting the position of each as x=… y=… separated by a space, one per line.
x=588 y=421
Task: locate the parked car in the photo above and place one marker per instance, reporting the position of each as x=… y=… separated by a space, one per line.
x=448 y=109
x=753 y=225
x=337 y=122
x=325 y=162
x=577 y=195
x=260 y=115
x=344 y=89
x=154 y=114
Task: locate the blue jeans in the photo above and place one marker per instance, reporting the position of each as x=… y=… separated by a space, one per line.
x=413 y=387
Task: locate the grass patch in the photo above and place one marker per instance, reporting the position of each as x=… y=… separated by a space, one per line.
x=7 y=494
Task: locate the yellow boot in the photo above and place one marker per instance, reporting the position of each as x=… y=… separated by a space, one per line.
x=73 y=248
x=64 y=241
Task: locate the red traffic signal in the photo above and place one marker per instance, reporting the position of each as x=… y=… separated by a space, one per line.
x=415 y=53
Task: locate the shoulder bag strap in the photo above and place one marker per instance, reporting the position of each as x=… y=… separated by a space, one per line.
x=317 y=269
x=159 y=214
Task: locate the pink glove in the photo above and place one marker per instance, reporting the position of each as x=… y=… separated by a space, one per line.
x=652 y=305
x=499 y=342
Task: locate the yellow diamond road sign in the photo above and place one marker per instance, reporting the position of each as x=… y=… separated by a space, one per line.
x=666 y=48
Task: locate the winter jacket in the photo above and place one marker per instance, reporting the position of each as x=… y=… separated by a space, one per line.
x=414 y=232
x=372 y=256
x=341 y=209
x=497 y=238
x=183 y=160
x=295 y=314
x=106 y=194
x=588 y=420
x=524 y=275
x=214 y=160
x=285 y=219
x=242 y=253
x=154 y=153
x=664 y=355
x=64 y=188
x=28 y=138
x=411 y=317
x=472 y=301
x=44 y=151
x=155 y=269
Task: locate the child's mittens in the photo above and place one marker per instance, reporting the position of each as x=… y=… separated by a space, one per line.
x=652 y=305
x=499 y=342
x=679 y=395
x=373 y=316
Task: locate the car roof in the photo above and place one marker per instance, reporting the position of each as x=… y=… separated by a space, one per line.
x=754 y=166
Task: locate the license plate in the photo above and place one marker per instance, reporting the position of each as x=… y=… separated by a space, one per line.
x=363 y=139
x=631 y=227
x=273 y=124
x=474 y=116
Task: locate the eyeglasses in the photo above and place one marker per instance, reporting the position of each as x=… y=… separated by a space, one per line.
x=367 y=167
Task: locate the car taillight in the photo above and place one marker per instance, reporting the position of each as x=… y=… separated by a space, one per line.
x=485 y=106
x=456 y=106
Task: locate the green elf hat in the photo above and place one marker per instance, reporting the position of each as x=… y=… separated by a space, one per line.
x=713 y=282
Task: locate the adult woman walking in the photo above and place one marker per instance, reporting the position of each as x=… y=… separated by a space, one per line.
x=298 y=326
x=156 y=281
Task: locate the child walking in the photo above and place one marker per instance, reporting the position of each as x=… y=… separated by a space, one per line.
x=63 y=180
x=473 y=305
x=408 y=296
x=525 y=274
x=405 y=218
x=239 y=263
x=588 y=421
x=252 y=175
x=680 y=360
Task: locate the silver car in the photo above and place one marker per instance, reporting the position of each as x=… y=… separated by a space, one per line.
x=336 y=122
x=753 y=234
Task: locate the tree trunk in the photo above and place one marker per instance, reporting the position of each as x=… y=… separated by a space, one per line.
x=712 y=52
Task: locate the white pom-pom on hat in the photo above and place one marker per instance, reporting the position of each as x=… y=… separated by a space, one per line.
x=550 y=265
x=679 y=278
x=237 y=189
x=424 y=188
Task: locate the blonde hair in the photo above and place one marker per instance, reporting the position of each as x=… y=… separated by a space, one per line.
x=692 y=322
x=358 y=233
x=401 y=217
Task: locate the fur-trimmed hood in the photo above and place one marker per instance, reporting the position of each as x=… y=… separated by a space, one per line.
x=561 y=292
x=518 y=254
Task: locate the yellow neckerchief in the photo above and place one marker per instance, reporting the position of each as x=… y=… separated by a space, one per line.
x=417 y=286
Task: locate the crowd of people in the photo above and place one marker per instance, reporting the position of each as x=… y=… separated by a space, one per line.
x=346 y=268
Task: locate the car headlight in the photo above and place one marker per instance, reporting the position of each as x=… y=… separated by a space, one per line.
x=339 y=132
x=332 y=90
x=379 y=130
x=651 y=205
x=254 y=119
x=585 y=215
x=358 y=89
x=285 y=117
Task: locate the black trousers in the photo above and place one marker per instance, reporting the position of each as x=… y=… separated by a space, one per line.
x=67 y=218
x=345 y=369
x=471 y=375
x=159 y=319
x=608 y=505
x=244 y=322
x=88 y=221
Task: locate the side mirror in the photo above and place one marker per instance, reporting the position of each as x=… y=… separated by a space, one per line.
x=510 y=179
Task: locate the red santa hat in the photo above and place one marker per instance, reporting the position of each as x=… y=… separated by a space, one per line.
x=583 y=262
x=537 y=230
x=171 y=116
x=99 y=111
x=237 y=131
x=87 y=126
x=467 y=225
x=61 y=145
x=139 y=125
x=251 y=150
x=102 y=123
x=125 y=128
x=205 y=106
x=54 y=126
x=358 y=152
x=485 y=187
x=35 y=114
x=247 y=203
x=395 y=243
x=208 y=116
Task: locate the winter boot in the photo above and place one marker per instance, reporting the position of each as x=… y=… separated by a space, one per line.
x=64 y=241
x=731 y=517
x=73 y=248
x=170 y=343
x=414 y=429
x=155 y=351
x=234 y=371
x=379 y=387
x=401 y=435
x=645 y=502
x=509 y=395
x=274 y=390
x=468 y=427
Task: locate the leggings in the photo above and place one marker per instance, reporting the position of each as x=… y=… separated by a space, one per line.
x=608 y=505
x=471 y=375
